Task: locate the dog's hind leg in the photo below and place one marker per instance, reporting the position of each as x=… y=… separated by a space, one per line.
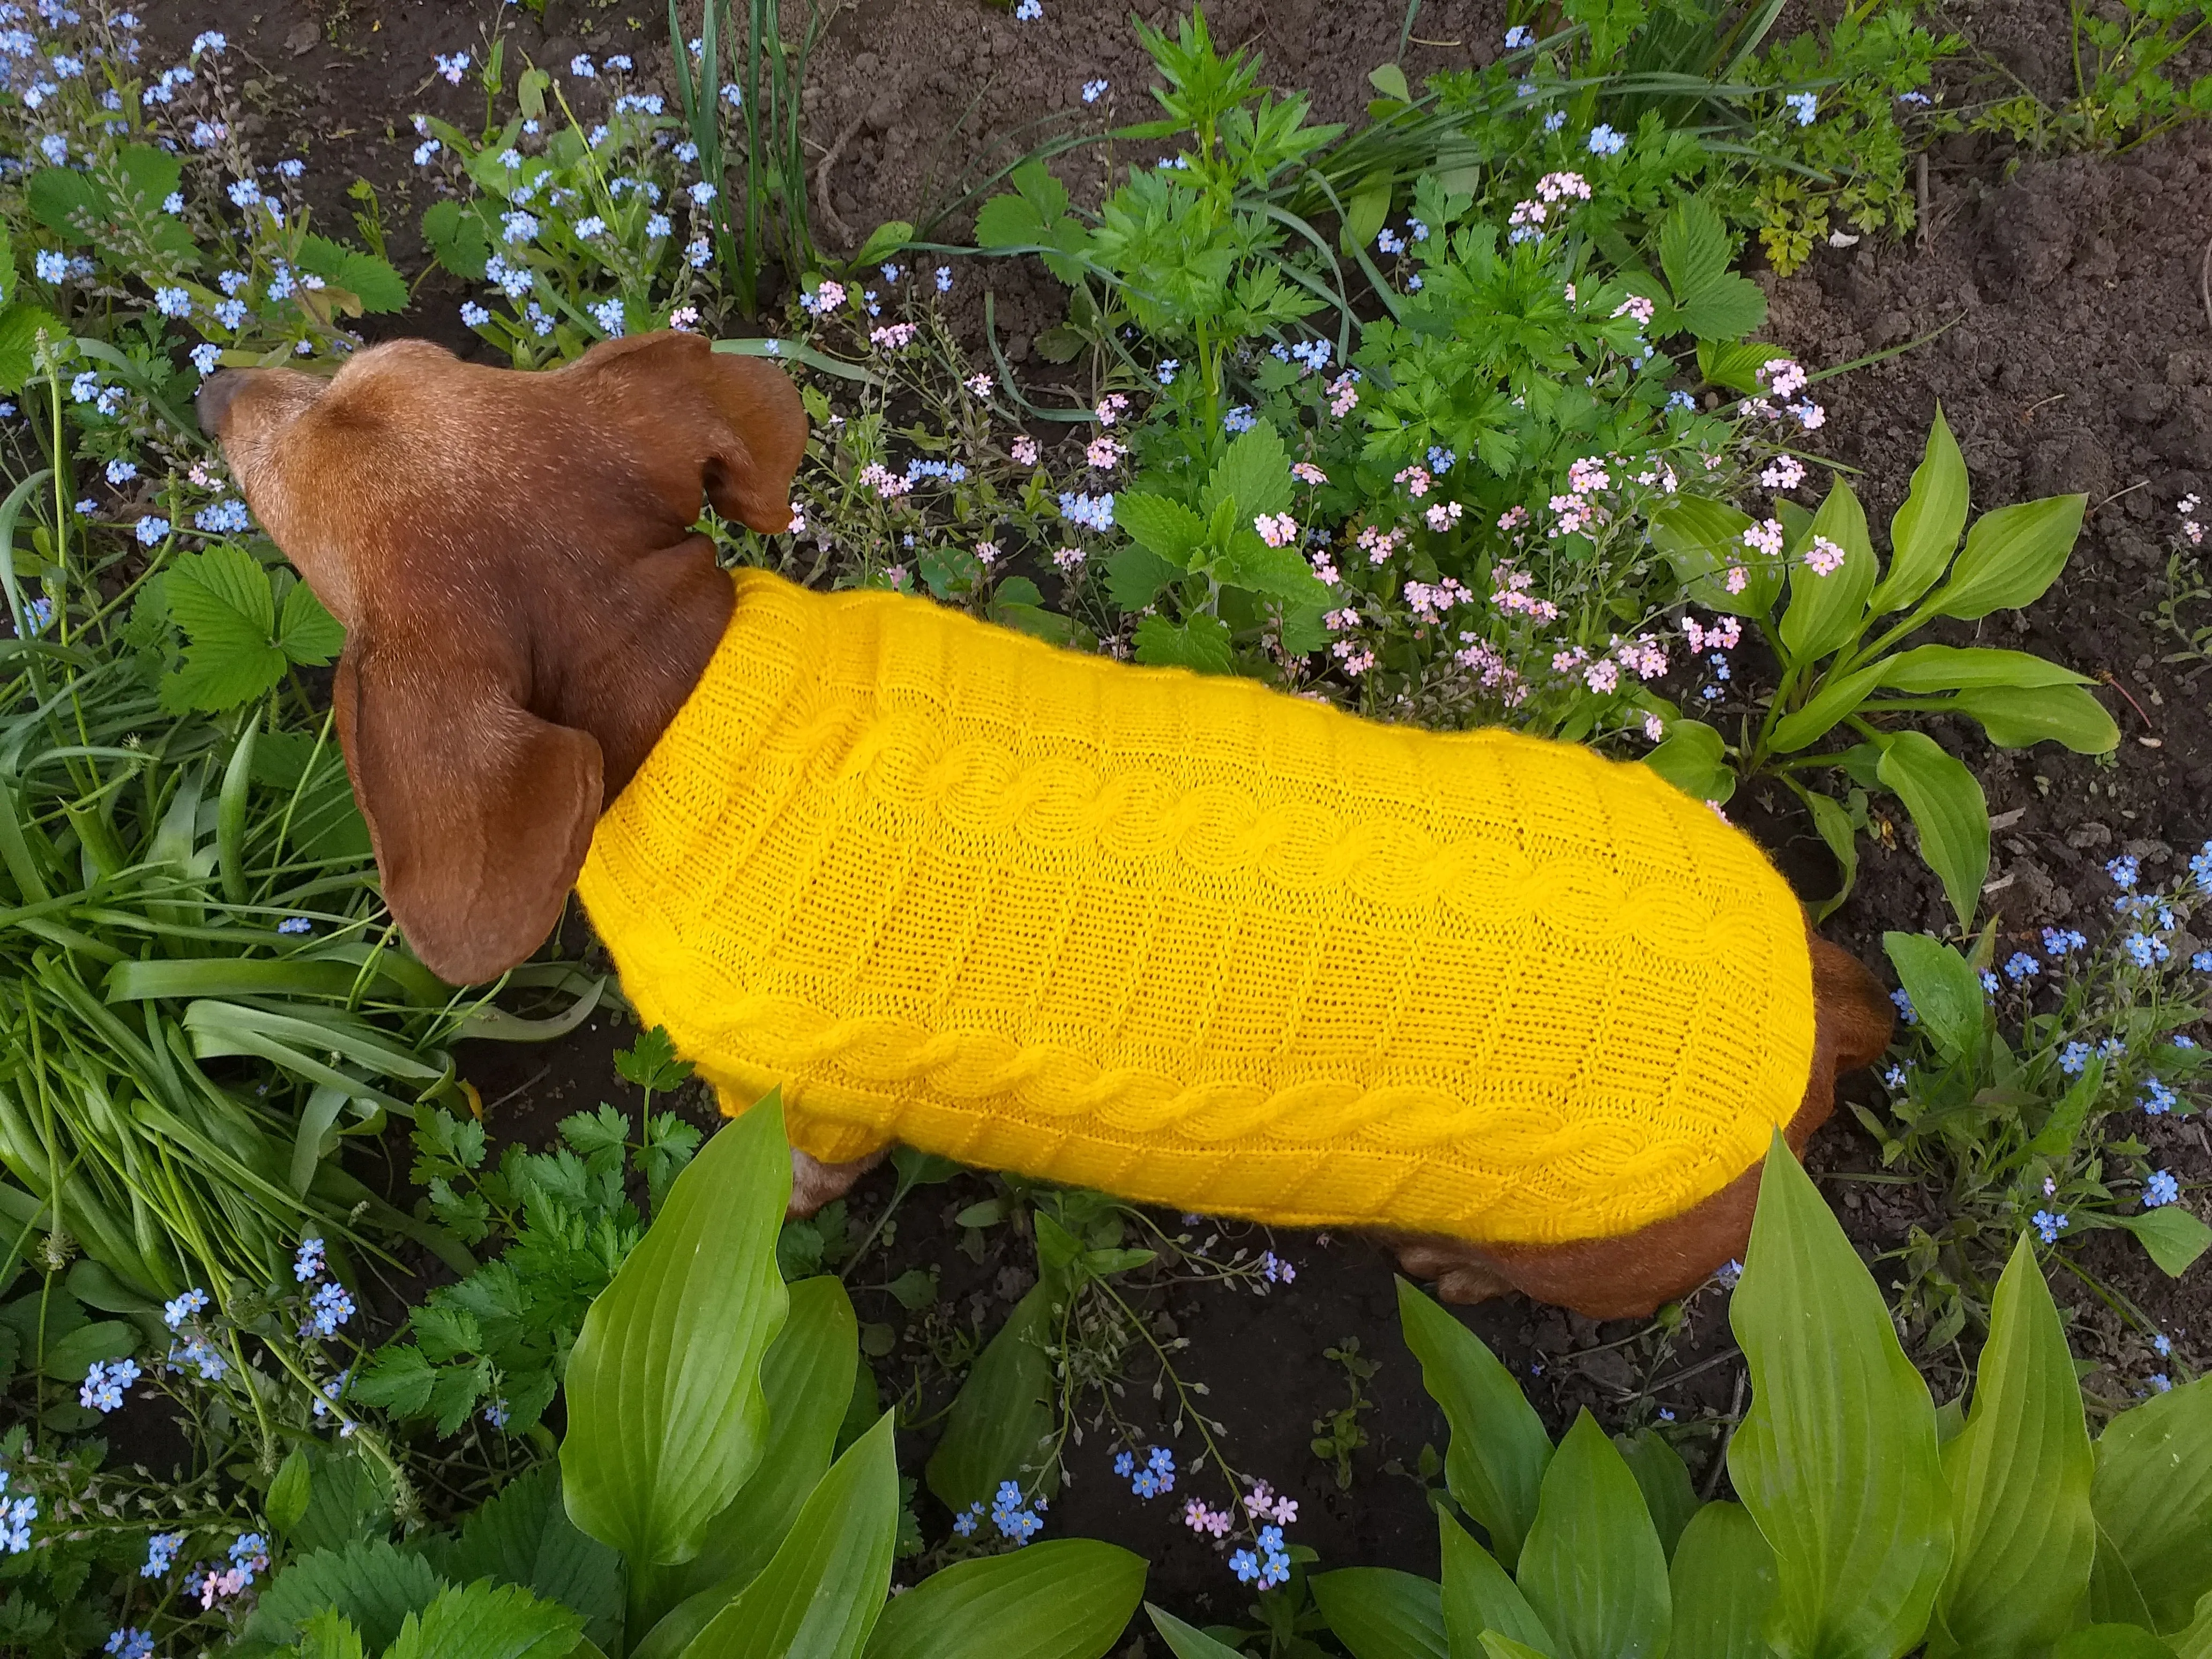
x=814 y=1184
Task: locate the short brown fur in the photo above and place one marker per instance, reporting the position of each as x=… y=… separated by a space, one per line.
x=527 y=605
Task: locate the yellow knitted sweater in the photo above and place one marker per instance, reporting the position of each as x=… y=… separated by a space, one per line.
x=1192 y=941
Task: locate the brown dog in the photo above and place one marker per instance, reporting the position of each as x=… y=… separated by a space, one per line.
x=527 y=607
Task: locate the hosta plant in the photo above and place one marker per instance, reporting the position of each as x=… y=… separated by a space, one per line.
x=1868 y=1524
x=1851 y=692
x=706 y=1504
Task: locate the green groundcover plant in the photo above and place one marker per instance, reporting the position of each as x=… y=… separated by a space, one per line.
x=1869 y=1523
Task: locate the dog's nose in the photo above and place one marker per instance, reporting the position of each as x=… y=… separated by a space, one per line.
x=216 y=398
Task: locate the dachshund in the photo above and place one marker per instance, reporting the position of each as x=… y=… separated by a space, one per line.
x=532 y=616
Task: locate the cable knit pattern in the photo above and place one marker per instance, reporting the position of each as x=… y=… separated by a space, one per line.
x=1192 y=941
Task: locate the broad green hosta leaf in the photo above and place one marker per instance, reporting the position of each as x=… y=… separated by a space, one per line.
x=1592 y=1568
x=1494 y=1465
x=2111 y=1642
x=1722 y=1581
x=1495 y=1646
x=1826 y=612
x=1972 y=668
x=1379 y=1613
x=1693 y=757
x=1949 y=811
x=1836 y=1459
x=1833 y=821
x=666 y=1413
x=1001 y=1416
x=821 y=1595
x=1187 y=1641
x=488 y=1621
x=1478 y=1596
x=2021 y=717
x=2019 y=1478
x=1924 y=533
x=1942 y=986
x=1067 y=1598
x=806 y=1377
x=2011 y=557
x=1665 y=1481
x=1837 y=699
x=1703 y=540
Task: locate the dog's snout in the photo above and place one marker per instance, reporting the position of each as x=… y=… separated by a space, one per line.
x=216 y=398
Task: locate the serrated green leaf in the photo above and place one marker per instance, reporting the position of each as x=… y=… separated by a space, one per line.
x=2019 y=1478
x=1136 y=575
x=2011 y=557
x=152 y=175
x=1494 y=1465
x=1008 y=221
x=307 y=633
x=372 y=1584
x=457 y=239
x=1280 y=573
x=1924 y=532
x=666 y=1414
x=1066 y=1598
x=21 y=325
x=1949 y=811
x=1166 y=528
x=1727 y=309
x=1694 y=247
x=329 y=1635
x=1723 y=1585
x=523 y=1536
x=488 y=1621
x=66 y=202
x=1836 y=1460
x=1593 y=1569
x=1253 y=471
x=1201 y=644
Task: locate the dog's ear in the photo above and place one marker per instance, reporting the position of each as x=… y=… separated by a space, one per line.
x=739 y=420
x=480 y=812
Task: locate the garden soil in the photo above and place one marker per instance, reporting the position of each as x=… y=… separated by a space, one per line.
x=2071 y=319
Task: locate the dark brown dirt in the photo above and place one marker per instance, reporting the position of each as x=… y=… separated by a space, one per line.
x=2077 y=355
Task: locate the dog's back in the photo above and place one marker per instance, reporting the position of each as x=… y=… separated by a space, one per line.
x=1194 y=942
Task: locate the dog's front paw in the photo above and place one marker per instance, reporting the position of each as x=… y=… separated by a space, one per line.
x=1461 y=1273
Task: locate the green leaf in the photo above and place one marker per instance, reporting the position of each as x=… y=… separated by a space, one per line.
x=66 y=202
x=223 y=601
x=523 y=1536
x=1167 y=529
x=1826 y=612
x=1694 y=247
x=1737 y=367
x=1836 y=1460
x=1201 y=644
x=457 y=239
x=1187 y=1641
x=70 y=1359
x=1495 y=1646
x=1693 y=757
x=1253 y=471
x=21 y=325
x=1066 y=1598
x=2017 y=719
x=1664 y=1481
x=2111 y=1642
x=1703 y=540
x=806 y=1378
x=2019 y=1478
x=1478 y=1596
x=2170 y=1236
x=1949 y=811
x=151 y=175
x=1363 y=214
x=1955 y=668
x=821 y=1595
x=289 y=1491
x=1002 y=1415
x=885 y=240
x=1592 y=1568
x=372 y=1584
x=1924 y=533
x=1009 y=222
x=1494 y=1465
x=2151 y=1489
x=1836 y=699
x=1280 y=573
x=666 y=1414
x=1135 y=576
x=1833 y=821
x=1727 y=309
x=307 y=633
x=1945 y=992
x=329 y=1635
x=1379 y=1613
x=2011 y=557
x=1722 y=1581
x=488 y=1621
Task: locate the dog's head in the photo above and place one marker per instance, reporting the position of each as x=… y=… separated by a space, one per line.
x=525 y=602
